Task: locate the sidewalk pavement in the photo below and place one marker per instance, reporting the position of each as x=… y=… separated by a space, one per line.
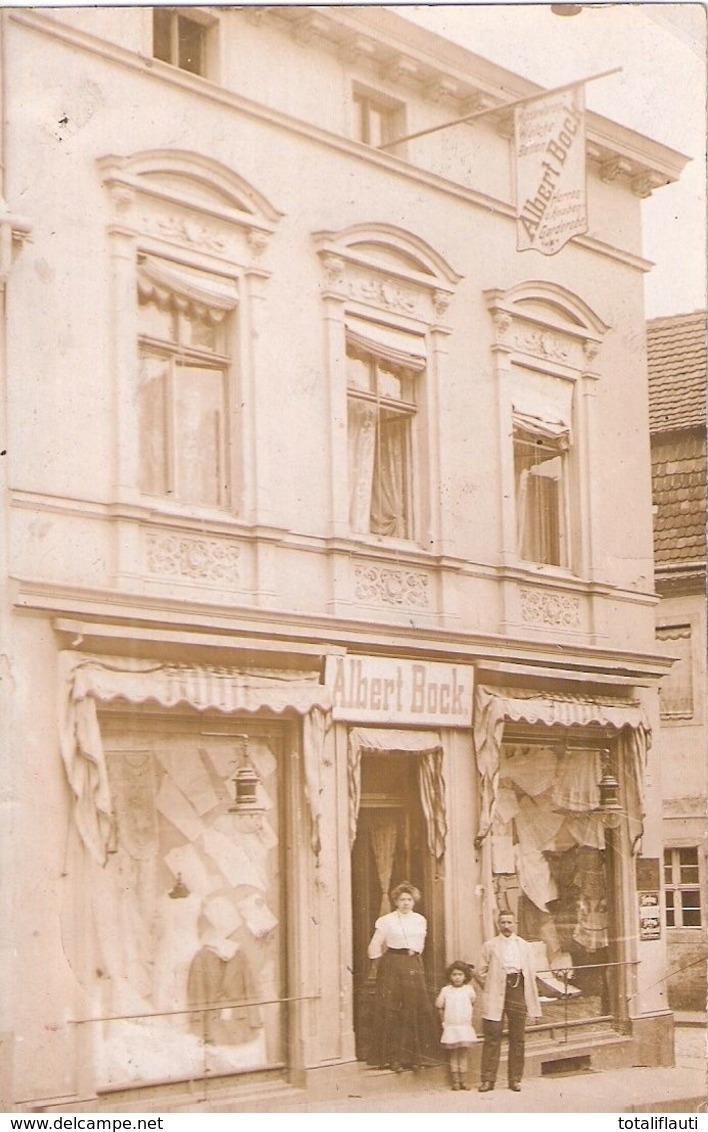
x=682 y=1088
x=679 y=1089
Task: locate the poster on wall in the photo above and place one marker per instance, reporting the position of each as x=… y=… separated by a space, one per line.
x=649 y=915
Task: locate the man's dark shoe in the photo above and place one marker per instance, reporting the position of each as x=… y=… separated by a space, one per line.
x=486 y=1086
x=515 y=1086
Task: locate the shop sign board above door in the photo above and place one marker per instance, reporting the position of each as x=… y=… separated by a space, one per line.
x=376 y=689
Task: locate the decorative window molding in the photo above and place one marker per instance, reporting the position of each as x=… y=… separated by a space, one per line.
x=187 y=236
x=540 y=607
x=194 y=560
x=385 y=294
x=546 y=342
x=397 y=587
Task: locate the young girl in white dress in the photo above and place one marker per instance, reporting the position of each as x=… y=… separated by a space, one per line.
x=455 y=1006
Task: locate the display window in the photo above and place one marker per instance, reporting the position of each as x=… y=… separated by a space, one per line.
x=186 y=923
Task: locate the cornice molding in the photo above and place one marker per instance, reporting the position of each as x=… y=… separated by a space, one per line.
x=669 y=167
x=646 y=164
x=111 y=606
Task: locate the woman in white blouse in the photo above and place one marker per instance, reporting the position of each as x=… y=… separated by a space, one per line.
x=406 y=1032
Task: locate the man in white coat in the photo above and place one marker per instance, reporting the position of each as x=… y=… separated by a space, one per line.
x=507 y=975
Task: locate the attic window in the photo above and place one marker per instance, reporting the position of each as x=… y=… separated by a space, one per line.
x=378 y=119
x=180 y=40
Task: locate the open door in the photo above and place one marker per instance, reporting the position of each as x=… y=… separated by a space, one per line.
x=391 y=845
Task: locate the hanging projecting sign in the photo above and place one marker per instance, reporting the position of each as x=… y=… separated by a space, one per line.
x=376 y=689
x=549 y=146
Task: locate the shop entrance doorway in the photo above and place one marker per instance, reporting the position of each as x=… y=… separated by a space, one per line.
x=391 y=845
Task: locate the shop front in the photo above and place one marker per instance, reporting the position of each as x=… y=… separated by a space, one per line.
x=396 y=720
x=561 y=821
x=178 y=916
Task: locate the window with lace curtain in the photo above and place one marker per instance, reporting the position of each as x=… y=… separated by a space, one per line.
x=541 y=450
x=185 y=322
x=381 y=412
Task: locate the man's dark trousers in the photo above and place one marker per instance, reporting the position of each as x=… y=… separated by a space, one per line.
x=515 y=1010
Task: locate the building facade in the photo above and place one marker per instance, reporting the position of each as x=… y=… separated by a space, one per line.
x=329 y=554
x=677 y=408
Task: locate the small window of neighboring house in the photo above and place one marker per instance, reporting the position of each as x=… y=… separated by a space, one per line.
x=378 y=119
x=683 y=890
x=541 y=451
x=179 y=39
x=185 y=326
x=676 y=688
x=384 y=367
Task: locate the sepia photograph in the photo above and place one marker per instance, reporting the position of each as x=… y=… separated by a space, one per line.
x=353 y=675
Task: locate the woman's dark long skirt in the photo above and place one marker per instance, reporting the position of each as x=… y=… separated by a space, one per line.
x=405 y=1029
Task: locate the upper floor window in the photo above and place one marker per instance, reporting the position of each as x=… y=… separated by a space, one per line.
x=546 y=341
x=676 y=688
x=378 y=119
x=381 y=410
x=683 y=890
x=185 y=327
x=180 y=40
x=541 y=474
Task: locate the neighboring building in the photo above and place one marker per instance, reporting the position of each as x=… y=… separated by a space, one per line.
x=677 y=418
x=330 y=555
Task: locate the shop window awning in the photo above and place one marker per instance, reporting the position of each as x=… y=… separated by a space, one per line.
x=86 y=682
x=495 y=707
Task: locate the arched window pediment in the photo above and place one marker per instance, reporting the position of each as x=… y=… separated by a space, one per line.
x=547 y=321
x=385 y=267
x=192 y=184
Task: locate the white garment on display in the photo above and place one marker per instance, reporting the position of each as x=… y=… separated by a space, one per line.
x=187 y=770
x=198 y=876
x=233 y=862
x=178 y=940
x=535 y=878
x=173 y=805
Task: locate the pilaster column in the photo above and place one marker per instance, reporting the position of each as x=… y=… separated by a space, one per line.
x=125 y=369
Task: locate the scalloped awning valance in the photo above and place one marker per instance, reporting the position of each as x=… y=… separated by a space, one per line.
x=86 y=682
x=495 y=707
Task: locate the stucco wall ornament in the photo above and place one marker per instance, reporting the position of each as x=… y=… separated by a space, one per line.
x=502 y=323
x=257 y=240
x=541 y=607
x=397 y=587
x=441 y=301
x=543 y=343
x=200 y=559
x=385 y=293
x=186 y=231
x=333 y=266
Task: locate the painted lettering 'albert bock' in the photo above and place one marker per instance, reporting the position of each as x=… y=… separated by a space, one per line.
x=557 y=148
